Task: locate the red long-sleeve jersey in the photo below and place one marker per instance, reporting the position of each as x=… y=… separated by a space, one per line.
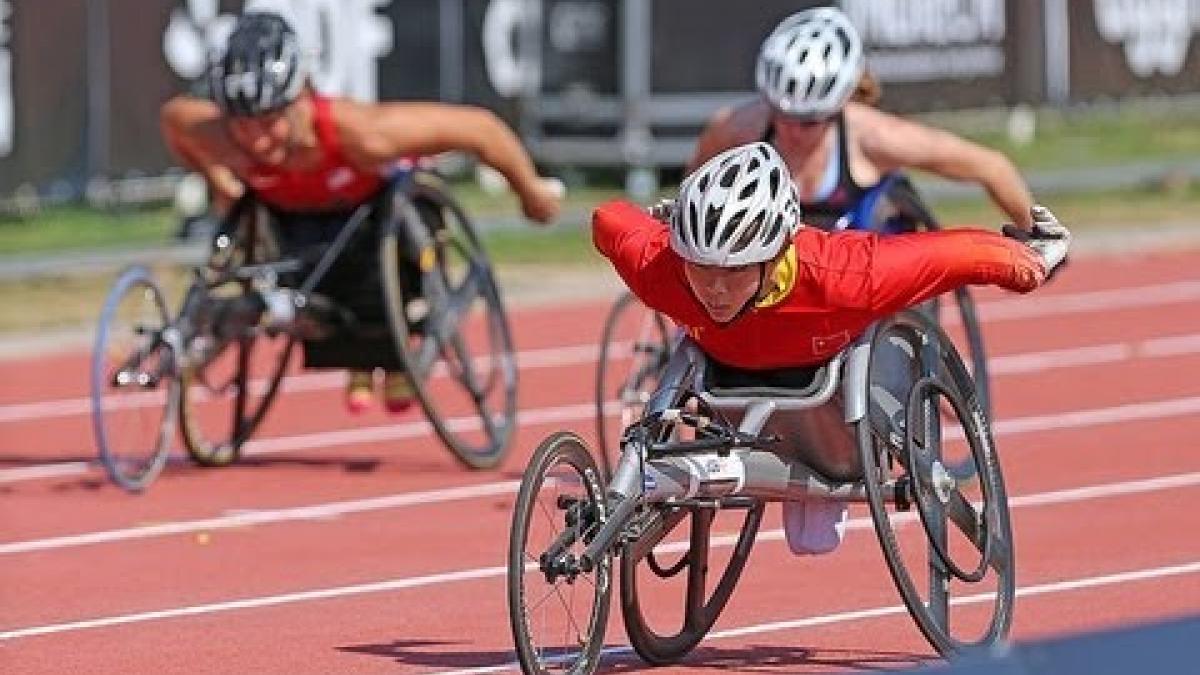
x=841 y=283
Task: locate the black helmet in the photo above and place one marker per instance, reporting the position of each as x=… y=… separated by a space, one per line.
x=262 y=68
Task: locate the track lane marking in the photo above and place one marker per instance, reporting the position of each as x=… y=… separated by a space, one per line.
x=1012 y=364
x=1034 y=500
x=1034 y=424
x=552 y=357
x=992 y=311
x=1050 y=588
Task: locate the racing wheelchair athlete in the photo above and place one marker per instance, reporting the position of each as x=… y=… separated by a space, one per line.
x=816 y=104
x=330 y=239
x=799 y=377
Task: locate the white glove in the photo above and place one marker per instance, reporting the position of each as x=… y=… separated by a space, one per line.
x=556 y=187
x=663 y=210
x=1049 y=238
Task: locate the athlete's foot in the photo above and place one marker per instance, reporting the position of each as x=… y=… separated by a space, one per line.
x=397 y=392
x=360 y=394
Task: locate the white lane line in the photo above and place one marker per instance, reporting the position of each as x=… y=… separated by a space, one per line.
x=1089 y=301
x=265 y=601
x=325 y=439
x=1067 y=496
x=1034 y=500
x=992 y=311
x=583 y=411
x=1051 y=588
x=1131 y=412
x=1011 y=364
x=1036 y=362
x=552 y=357
x=40 y=471
x=256 y=517
x=1032 y=362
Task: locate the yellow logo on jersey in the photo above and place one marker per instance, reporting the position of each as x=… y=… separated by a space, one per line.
x=782 y=281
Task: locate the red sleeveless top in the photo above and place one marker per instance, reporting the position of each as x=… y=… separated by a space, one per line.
x=334 y=184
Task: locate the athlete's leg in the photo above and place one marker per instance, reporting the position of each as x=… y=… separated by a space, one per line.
x=360 y=390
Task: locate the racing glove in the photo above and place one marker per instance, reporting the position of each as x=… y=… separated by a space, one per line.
x=1048 y=238
x=663 y=210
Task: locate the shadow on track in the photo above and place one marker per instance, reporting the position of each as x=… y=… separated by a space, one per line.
x=786 y=659
x=743 y=659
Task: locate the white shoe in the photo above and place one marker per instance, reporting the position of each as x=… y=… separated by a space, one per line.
x=814 y=525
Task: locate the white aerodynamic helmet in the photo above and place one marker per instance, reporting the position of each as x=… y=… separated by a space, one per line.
x=809 y=65
x=739 y=208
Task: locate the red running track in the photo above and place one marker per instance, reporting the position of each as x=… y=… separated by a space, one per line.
x=354 y=545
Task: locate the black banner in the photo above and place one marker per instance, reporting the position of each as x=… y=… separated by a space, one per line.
x=929 y=55
x=702 y=46
x=1128 y=48
x=42 y=103
x=932 y=55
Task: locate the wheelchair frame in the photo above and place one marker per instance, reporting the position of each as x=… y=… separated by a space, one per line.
x=660 y=480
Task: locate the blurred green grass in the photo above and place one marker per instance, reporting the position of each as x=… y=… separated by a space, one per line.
x=66 y=229
x=1106 y=137
x=81 y=228
x=1100 y=137
x=71 y=300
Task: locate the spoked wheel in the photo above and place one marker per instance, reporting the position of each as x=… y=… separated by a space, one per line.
x=634 y=349
x=135 y=390
x=955 y=571
x=558 y=612
x=689 y=565
x=232 y=377
x=455 y=319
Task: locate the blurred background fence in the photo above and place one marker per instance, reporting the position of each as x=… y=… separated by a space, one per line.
x=589 y=83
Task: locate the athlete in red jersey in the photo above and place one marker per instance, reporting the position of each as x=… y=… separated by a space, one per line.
x=819 y=295
x=756 y=290
x=304 y=154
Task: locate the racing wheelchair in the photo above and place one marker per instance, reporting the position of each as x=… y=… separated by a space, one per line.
x=635 y=339
x=216 y=364
x=713 y=440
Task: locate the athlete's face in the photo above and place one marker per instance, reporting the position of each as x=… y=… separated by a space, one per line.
x=723 y=291
x=265 y=138
x=797 y=132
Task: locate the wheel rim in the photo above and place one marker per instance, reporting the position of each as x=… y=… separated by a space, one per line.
x=134 y=389
x=634 y=348
x=658 y=633
x=948 y=601
x=454 y=340
x=558 y=620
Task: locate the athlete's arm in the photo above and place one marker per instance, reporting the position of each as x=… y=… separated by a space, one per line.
x=191 y=129
x=636 y=244
x=892 y=142
x=622 y=232
x=911 y=268
x=379 y=134
x=730 y=127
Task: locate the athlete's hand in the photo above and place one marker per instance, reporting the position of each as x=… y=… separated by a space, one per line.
x=543 y=203
x=1048 y=238
x=662 y=210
